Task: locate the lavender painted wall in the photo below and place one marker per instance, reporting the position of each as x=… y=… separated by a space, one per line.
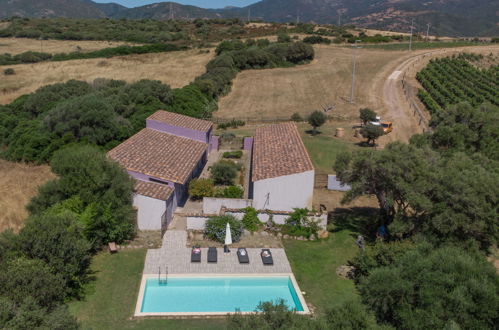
x=179 y=131
x=214 y=143
x=248 y=143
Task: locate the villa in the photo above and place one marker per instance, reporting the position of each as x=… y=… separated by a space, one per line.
x=163 y=158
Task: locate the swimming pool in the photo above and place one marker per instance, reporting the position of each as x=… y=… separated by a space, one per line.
x=213 y=295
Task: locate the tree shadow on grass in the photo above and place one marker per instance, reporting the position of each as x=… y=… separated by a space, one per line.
x=312 y=133
x=359 y=220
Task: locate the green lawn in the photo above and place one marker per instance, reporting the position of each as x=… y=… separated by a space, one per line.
x=111 y=298
x=324 y=148
x=314 y=265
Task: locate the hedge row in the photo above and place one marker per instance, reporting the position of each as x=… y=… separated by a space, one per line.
x=34 y=57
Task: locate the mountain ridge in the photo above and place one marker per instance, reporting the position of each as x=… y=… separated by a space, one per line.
x=446 y=17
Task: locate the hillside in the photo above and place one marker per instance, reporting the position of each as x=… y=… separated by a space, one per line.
x=50 y=8
x=447 y=17
x=462 y=18
x=166 y=10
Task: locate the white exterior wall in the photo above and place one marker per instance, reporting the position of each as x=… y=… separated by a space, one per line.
x=150 y=212
x=285 y=192
x=213 y=205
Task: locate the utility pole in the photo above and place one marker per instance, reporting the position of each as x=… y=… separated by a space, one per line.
x=339 y=18
x=249 y=14
x=354 y=69
x=410 y=40
x=297 y=16
x=428 y=32
x=171 y=11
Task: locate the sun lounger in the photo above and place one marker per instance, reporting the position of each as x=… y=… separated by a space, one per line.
x=267 y=257
x=196 y=254
x=212 y=254
x=242 y=255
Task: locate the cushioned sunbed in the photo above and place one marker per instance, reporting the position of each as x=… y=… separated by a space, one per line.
x=196 y=254
x=267 y=257
x=212 y=254
x=242 y=255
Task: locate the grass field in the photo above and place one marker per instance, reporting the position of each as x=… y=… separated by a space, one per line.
x=272 y=93
x=110 y=299
x=176 y=69
x=20 y=45
x=18 y=184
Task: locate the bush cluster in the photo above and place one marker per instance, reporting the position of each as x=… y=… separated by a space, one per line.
x=316 y=40
x=89 y=204
x=299 y=224
x=233 y=154
x=216 y=228
x=200 y=188
x=234 y=123
x=103 y=113
x=9 y=72
x=224 y=172
x=229 y=192
x=34 y=57
x=250 y=219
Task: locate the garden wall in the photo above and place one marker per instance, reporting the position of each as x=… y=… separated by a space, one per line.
x=198 y=221
x=213 y=205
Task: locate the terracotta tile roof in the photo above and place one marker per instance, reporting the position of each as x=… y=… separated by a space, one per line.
x=278 y=150
x=161 y=155
x=179 y=120
x=153 y=190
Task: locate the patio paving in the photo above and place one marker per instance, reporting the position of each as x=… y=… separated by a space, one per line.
x=177 y=257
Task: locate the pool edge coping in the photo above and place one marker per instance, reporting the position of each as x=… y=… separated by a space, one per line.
x=145 y=277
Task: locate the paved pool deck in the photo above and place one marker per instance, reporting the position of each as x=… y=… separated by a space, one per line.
x=175 y=256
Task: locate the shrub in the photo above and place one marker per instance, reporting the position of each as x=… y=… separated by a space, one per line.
x=250 y=219
x=233 y=192
x=316 y=40
x=296 y=117
x=9 y=72
x=371 y=133
x=232 y=124
x=233 y=154
x=216 y=226
x=298 y=224
x=103 y=187
x=366 y=115
x=199 y=188
x=224 y=172
x=316 y=119
x=283 y=37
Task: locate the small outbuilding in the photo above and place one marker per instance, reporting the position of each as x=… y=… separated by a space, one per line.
x=282 y=172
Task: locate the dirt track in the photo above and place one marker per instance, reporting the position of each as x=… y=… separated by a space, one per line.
x=396 y=106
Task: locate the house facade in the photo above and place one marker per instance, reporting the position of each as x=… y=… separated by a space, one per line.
x=163 y=158
x=282 y=174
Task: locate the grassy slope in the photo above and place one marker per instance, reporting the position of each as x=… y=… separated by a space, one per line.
x=314 y=265
x=111 y=298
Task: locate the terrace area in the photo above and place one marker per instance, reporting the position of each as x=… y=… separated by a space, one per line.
x=175 y=255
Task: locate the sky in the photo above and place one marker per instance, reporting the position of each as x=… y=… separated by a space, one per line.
x=198 y=3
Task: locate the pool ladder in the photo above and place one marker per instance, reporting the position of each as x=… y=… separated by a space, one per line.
x=165 y=279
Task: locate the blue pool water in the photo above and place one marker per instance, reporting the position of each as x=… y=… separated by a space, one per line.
x=217 y=294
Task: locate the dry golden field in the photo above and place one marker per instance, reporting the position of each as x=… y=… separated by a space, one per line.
x=18 y=184
x=176 y=69
x=20 y=45
x=324 y=82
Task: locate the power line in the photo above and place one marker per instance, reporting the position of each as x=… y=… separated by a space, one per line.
x=410 y=41
x=354 y=69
